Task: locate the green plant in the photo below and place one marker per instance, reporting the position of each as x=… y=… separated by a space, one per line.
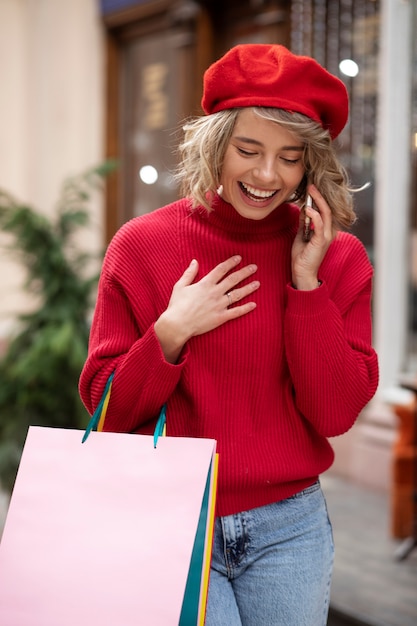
x=39 y=371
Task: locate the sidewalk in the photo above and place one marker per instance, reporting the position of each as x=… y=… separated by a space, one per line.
x=369 y=584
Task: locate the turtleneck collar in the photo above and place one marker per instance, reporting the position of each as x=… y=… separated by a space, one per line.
x=225 y=217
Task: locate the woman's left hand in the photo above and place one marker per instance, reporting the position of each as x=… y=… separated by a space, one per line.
x=306 y=257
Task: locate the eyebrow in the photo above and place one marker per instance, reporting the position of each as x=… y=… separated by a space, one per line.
x=259 y=143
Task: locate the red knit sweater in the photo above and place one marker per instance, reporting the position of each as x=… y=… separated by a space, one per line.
x=271 y=386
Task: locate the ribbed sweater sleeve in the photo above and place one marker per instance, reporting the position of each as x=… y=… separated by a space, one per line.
x=329 y=346
x=131 y=296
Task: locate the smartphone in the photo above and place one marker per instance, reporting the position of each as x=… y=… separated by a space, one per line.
x=307 y=219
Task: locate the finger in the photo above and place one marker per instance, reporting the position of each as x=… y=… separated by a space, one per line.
x=222 y=269
x=321 y=231
x=319 y=214
x=239 y=311
x=232 y=280
x=320 y=204
x=313 y=218
x=315 y=194
x=189 y=274
x=305 y=226
x=238 y=294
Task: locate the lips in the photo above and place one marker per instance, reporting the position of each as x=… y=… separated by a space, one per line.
x=258 y=195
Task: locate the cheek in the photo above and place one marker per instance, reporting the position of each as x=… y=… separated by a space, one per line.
x=229 y=178
x=296 y=177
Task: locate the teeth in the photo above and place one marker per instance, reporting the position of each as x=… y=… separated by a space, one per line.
x=257 y=193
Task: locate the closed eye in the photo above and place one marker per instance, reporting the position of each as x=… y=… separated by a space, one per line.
x=291 y=161
x=245 y=152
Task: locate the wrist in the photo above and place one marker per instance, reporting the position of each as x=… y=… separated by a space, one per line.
x=307 y=285
x=170 y=337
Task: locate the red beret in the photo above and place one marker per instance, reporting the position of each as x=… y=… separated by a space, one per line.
x=269 y=75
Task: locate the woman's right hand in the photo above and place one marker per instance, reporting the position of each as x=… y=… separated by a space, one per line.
x=197 y=308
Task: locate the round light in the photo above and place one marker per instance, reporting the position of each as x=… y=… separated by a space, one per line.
x=148 y=174
x=349 y=68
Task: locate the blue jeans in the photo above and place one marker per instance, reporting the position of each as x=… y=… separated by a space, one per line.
x=272 y=566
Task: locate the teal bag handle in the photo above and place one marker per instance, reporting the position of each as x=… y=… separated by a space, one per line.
x=161 y=426
x=99 y=413
x=95 y=418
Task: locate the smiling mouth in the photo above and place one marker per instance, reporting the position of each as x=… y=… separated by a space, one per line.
x=258 y=195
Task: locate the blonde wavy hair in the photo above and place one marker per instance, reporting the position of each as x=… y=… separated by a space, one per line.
x=204 y=145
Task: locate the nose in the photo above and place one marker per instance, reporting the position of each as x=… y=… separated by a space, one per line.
x=266 y=171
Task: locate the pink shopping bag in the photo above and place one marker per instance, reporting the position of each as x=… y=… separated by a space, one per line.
x=112 y=532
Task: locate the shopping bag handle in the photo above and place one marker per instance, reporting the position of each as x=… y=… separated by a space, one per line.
x=161 y=426
x=97 y=415
x=97 y=419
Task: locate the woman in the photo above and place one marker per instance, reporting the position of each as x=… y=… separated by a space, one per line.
x=252 y=331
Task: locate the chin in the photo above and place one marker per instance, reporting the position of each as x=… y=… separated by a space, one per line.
x=254 y=214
